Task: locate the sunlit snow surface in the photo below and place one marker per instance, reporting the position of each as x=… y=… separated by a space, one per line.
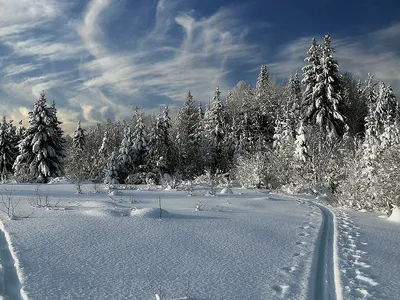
x=370 y=252
x=245 y=245
x=238 y=246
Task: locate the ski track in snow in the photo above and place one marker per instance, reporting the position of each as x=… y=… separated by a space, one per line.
x=325 y=282
x=302 y=255
x=356 y=273
x=10 y=286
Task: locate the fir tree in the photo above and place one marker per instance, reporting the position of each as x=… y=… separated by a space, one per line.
x=41 y=151
x=325 y=96
x=139 y=141
x=294 y=103
x=78 y=140
x=188 y=120
x=111 y=170
x=7 y=149
x=125 y=159
x=310 y=73
x=214 y=134
x=160 y=149
x=76 y=169
x=264 y=108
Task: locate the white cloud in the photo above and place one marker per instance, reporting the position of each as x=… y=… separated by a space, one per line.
x=21 y=15
x=168 y=69
x=16 y=69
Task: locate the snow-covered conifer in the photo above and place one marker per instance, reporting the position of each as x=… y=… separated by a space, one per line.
x=302 y=144
x=78 y=140
x=214 y=133
x=112 y=169
x=6 y=149
x=326 y=98
x=264 y=108
x=77 y=169
x=188 y=120
x=125 y=159
x=42 y=150
x=139 y=141
x=294 y=103
x=160 y=144
x=310 y=72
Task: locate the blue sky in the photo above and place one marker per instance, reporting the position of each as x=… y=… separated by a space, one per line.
x=99 y=58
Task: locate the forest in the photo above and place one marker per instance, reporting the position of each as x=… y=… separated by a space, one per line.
x=322 y=132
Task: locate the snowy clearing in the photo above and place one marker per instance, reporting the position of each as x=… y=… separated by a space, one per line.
x=244 y=245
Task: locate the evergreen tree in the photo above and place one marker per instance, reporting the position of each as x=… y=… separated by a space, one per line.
x=78 y=140
x=100 y=158
x=386 y=104
x=111 y=169
x=76 y=169
x=264 y=108
x=310 y=73
x=7 y=149
x=214 y=134
x=355 y=107
x=326 y=98
x=125 y=159
x=20 y=130
x=302 y=144
x=160 y=149
x=41 y=151
x=188 y=120
x=139 y=142
x=294 y=103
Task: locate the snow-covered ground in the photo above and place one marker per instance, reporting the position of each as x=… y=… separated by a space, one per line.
x=245 y=245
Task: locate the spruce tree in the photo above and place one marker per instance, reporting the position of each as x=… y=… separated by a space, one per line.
x=214 y=134
x=111 y=169
x=160 y=144
x=310 y=73
x=139 y=142
x=42 y=150
x=78 y=140
x=76 y=169
x=187 y=143
x=327 y=95
x=264 y=109
x=294 y=103
x=125 y=159
x=322 y=95
x=7 y=149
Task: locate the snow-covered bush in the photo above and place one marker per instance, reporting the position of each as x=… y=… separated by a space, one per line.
x=251 y=170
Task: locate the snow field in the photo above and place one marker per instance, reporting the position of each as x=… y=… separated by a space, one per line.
x=91 y=246
x=357 y=274
x=376 y=251
x=244 y=245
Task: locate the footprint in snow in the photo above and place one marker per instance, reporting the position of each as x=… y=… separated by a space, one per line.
x=289 y=269
x=304 y=234
x=281 y=290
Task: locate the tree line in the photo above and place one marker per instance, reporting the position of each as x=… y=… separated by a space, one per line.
x=321 y=131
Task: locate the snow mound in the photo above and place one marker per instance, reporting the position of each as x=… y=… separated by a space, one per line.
x=226 y=191
x=151 y=213
x=102 y=213
x=395 y=216
x=116 y=193
x=57 y=180
x=96 y=204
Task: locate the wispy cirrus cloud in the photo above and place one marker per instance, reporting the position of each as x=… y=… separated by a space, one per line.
x=181 y=52
x=73 y=57
x=99 y=58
